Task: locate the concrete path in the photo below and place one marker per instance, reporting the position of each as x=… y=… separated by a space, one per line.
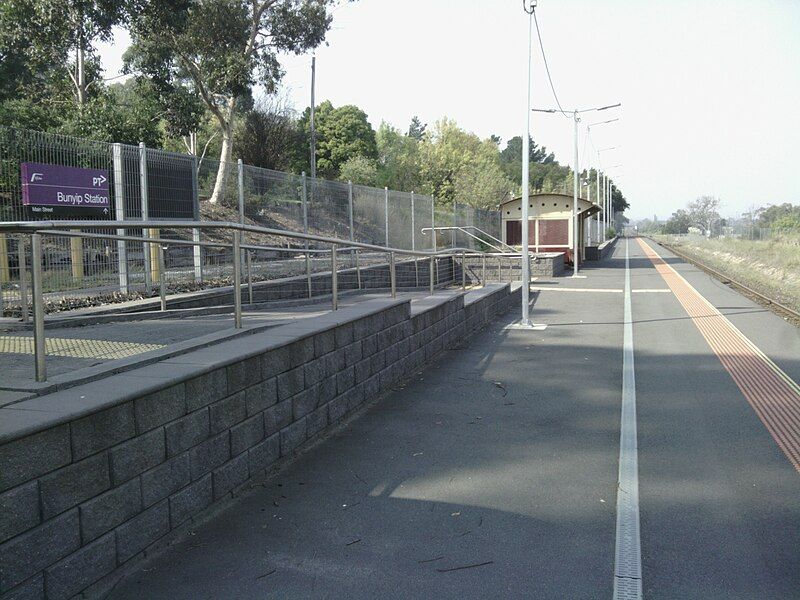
x=494 y=473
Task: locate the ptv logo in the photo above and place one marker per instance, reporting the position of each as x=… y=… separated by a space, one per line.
x=98 y=181
x=37 y=177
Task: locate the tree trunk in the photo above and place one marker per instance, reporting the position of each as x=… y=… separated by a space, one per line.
x=226 y=126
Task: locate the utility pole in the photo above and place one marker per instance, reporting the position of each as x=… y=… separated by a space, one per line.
x=575 y=243
x=525 y=321
x=313 y=129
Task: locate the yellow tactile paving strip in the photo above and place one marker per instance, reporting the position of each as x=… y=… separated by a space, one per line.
x=774 y=396
x=76 y=348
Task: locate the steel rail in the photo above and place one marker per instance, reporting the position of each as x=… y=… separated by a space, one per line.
x=724 y=278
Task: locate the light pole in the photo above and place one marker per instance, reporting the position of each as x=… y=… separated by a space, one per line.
x=528 y=6
x=605 y=190
x=601 y=219
x=576 y=120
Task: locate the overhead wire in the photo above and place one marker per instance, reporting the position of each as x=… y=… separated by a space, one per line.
x=547 y=67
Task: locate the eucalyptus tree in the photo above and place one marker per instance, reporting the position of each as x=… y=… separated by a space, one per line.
x=217 y=51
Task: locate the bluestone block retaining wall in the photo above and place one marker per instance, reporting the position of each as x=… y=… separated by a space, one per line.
x=91 y=491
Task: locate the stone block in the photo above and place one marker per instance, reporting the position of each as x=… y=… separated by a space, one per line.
x=158 y=408
x=247 y=434
x=345 y=380
x=187 y=432
x=209 y=455
x=166 y=478
x=352 y=353
x=230 y=475
x=19 y=510
x=243 y=374
x=303 y=403
x=141 y=531
x=377 y=362
x=276 y=361
x=263 y=454
x=314 y=371
x=369 y=345
x=136 y=456
x=32 y=589
x=292 y=436
x=325 y=391
x=317 y=420
x=337 y=408
x=27 y=554
x=290 y=383
x=344 y=335
x=324 y=342
x=190 y=501
x=301 y=352
x=261 y=396
x=71 y=485
x=68 y=577
x=103 y=513
x=362 y=370
x=102 y=430
x=227 y=412
x=29 y=457
x=277 y=417
x=209 y=387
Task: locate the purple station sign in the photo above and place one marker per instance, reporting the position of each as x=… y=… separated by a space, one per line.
x=49 y=189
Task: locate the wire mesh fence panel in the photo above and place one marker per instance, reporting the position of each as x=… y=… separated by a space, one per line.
x=328 y=208
x=443 y=217
x=369 y=215
x=423 y=219
x=273 y=199
x=400 y=220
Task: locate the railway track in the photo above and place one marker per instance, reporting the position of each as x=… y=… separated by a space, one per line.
x=778 y=308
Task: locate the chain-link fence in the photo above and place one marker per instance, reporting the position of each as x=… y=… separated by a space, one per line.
x=138 y=183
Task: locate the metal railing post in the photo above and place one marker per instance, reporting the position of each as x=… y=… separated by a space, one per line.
x=483 y=270
x=386 y=213
x=350 y=208
x=392 y=275
x=197 y=251
x=38 y=308
x=119 y=215
x=413 y=242
x=463 y=270
x=162 y=284
x=23 y=279
x=197 y=256
x=358 y=269
x=432 y=267
x=237 y=280
x=334 y=279
x=249 y=267
x=143 y=194
x=305 y=231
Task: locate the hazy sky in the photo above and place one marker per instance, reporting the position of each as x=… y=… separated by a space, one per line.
x=710 y=89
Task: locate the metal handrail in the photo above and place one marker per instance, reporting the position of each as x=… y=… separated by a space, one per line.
x=67 y=229
x=463 y=229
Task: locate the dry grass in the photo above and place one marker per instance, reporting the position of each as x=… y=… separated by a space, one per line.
x=770 y=267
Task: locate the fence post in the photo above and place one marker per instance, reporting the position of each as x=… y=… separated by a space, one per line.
x=386 y=213
x=5 y=271
x=197 y=256
x=334 y=279
x=162 y=284
x=463 y=270
x=305 y=230
x=392 y=275
x=237 y=280
x=248 y=258
x=413 y=243
x=23 y=279
x=143 y=194
x=38 y=308
x=432 y=266
x=76 y=256
x=350 y=208
x=455 y=224
x=119 y=215
x=358 y=269
x=483 y=270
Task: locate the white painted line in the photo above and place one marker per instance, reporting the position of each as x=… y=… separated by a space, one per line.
x=628 y=556
x=653 y=291
x=537 y=288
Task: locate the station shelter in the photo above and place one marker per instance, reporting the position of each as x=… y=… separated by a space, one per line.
x=550 y=223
